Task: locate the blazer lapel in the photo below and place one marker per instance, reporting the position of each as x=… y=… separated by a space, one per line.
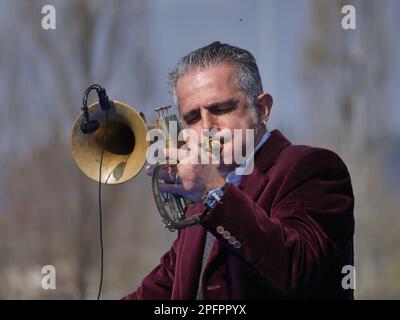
x=265 y=158
x=194 y=240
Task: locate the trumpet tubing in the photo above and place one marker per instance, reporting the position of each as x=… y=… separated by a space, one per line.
x=122 y=132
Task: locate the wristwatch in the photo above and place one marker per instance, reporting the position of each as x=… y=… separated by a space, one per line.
x=212 y=197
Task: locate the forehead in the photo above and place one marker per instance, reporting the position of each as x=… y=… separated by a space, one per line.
x=200 y=87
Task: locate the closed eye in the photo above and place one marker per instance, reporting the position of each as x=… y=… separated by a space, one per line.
x=218 y=108
x=192 y=117
x=223 y=107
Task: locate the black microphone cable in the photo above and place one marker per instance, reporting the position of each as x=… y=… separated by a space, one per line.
x=100 y=208
x=89 y=126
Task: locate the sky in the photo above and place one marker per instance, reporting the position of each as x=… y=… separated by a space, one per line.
x=274 y=31
x=263 y=28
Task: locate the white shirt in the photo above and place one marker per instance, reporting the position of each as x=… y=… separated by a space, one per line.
x=235 y=178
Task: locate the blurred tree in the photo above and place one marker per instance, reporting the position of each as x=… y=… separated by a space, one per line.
x=50 y=213
x=346 y=73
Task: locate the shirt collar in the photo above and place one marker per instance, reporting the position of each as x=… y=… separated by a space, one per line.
x=235 y=178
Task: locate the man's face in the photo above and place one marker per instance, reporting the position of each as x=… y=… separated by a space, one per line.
x=210 y=99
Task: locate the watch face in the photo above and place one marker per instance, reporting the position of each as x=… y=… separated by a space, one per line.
x=213 y=197
x=213 y=203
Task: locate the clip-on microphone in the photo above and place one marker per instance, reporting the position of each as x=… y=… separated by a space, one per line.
x=89 y=126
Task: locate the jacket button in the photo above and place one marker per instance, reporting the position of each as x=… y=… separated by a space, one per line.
x=231 y=240
x=226 y=235
x=237 y=244
x=220 y=229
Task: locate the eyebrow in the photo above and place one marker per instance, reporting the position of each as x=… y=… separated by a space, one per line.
x=228 y=103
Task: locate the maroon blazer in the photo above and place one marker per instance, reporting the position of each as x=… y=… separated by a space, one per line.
x=291 y=231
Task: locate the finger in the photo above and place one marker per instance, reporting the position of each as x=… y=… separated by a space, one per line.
x=169 y=174
x=174 y=155
x=171 y=188
x=149 y=169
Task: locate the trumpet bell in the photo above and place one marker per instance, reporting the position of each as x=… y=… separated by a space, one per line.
x=125 y=148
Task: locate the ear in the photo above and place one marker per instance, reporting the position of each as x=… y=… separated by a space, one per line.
x=265 y=102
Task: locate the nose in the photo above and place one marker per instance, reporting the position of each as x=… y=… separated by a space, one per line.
x=208 y=120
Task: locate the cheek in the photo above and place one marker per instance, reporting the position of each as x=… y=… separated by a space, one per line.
x=235 y=122
x=236 y=144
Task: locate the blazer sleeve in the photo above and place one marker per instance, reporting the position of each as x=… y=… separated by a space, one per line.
x=308 y=224
x=157 y=285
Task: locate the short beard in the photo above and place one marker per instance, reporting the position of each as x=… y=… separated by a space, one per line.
x=255 y=118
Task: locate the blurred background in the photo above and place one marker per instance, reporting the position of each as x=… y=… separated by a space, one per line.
x=332 y=88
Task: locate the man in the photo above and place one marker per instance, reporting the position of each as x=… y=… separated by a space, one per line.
x=284 y=231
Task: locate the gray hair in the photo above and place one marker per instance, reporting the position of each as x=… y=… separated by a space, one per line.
x=248 y=77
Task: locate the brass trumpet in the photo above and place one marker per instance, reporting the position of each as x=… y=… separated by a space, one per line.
x=122 y=132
